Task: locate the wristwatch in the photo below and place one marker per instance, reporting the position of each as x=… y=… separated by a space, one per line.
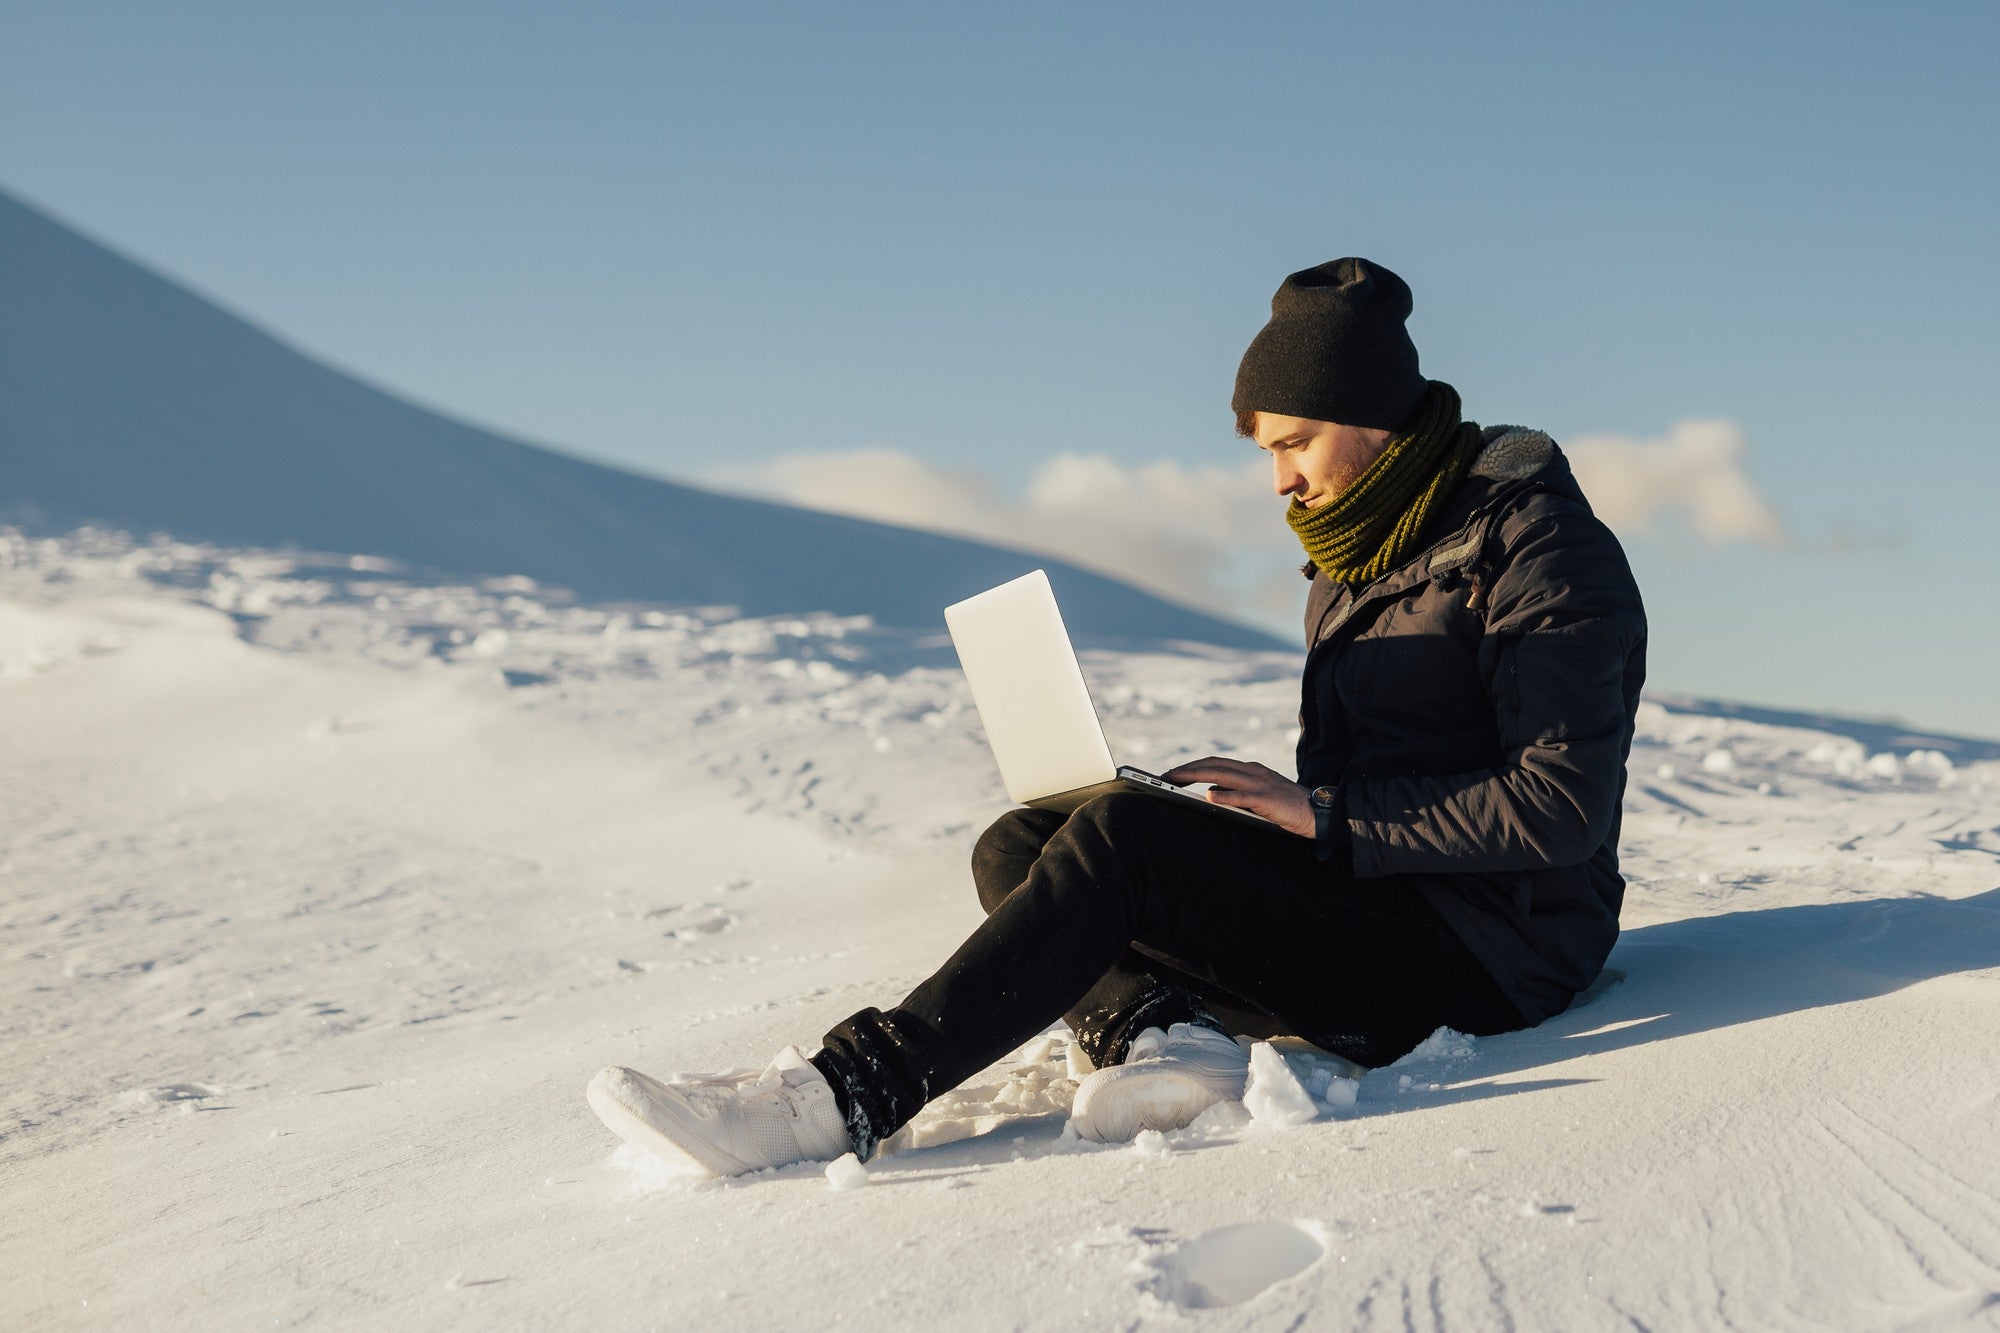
x=1324 y=802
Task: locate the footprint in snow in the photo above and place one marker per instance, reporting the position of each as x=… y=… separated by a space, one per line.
x=694 y=923
x=184 y=1095
x=1230 y=1265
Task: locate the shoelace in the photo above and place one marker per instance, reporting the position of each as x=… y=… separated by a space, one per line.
x=742 y=1085
x=725 y=1086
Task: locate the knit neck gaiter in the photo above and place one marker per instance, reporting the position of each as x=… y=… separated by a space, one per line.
x=1372 y=525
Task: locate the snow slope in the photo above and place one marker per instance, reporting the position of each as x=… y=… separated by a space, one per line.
x=323 y=892
x=127 y=401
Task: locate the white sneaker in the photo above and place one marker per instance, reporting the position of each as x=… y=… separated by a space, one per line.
x=1168 y=1079
x=726 y=1124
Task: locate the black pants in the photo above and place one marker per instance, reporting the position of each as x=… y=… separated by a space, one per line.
x=1133 y=913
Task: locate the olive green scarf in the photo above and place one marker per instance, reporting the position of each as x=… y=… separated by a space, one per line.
x=1373 y=525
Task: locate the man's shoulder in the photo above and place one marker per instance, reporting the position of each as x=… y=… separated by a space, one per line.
x=1548 y=545
x=1527 y=480
x=1538 y=511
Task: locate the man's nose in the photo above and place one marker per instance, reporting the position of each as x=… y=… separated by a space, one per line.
x=1284 y=479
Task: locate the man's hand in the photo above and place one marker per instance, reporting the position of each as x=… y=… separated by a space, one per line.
x=1253 y=787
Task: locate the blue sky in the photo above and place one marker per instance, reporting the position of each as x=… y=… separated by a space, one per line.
x=740 y=243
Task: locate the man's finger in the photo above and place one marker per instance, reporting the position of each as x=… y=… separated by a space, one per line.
x=1210 y=769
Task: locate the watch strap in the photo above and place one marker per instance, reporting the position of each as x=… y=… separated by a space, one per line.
x=1330 y=823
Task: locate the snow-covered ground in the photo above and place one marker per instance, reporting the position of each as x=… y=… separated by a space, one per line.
x=322 y=893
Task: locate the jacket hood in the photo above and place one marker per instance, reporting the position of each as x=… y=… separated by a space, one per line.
x=1511 y=454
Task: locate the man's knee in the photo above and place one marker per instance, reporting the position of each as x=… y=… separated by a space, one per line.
x=1128 y=822
x=1003 y=853
x=1132 y=819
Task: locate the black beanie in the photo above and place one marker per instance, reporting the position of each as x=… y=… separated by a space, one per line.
x=1335 y=349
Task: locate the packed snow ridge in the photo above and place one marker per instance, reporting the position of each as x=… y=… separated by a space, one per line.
x=324 y=888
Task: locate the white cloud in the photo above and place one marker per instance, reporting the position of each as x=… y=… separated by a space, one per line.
x=1215 y=537
x=1695 y=471
x=1209 y=537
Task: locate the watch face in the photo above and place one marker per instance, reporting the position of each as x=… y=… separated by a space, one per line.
x=1322 y=797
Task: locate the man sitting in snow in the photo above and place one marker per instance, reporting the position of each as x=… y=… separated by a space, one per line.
x=1475 y=649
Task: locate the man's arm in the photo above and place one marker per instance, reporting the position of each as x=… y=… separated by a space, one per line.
x=1568 y=621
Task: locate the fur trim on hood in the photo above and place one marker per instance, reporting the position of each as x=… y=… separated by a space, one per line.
x=1513 y=452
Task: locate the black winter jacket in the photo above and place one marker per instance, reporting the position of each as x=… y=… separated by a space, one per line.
x=1476 y=706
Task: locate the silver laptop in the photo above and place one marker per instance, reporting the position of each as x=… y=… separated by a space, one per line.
x=1036 y=709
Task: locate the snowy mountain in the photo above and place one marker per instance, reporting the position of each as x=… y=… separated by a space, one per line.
x=126 y=401
x=324 y=890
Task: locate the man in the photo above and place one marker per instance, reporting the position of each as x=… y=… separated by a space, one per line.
x=1449 y=853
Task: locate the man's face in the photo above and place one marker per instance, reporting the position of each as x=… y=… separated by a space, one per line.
x=1314 y=461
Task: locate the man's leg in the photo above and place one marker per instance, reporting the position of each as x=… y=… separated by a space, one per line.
x=1365 y=967
x=1137 y=992
x=1250 y=910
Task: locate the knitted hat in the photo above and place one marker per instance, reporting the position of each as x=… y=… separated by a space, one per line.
x=1335 y=349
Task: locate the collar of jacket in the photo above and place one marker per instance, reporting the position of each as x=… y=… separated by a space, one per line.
x=1510 y=458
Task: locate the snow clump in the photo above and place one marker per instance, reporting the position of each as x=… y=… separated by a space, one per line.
x=846 y=1173
x=1845 y=757
x=1275 y=1096
x=1934 y=764
x=1326 y=1086
x=1341 y=1094
x=1444 y=1044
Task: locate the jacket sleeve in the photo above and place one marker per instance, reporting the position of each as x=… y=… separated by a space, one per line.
x=1566 y=633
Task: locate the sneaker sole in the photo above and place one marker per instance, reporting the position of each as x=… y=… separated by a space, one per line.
x=609 y=1095
x=1120 y=1109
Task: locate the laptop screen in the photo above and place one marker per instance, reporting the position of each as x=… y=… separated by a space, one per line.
x=1029 y=689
